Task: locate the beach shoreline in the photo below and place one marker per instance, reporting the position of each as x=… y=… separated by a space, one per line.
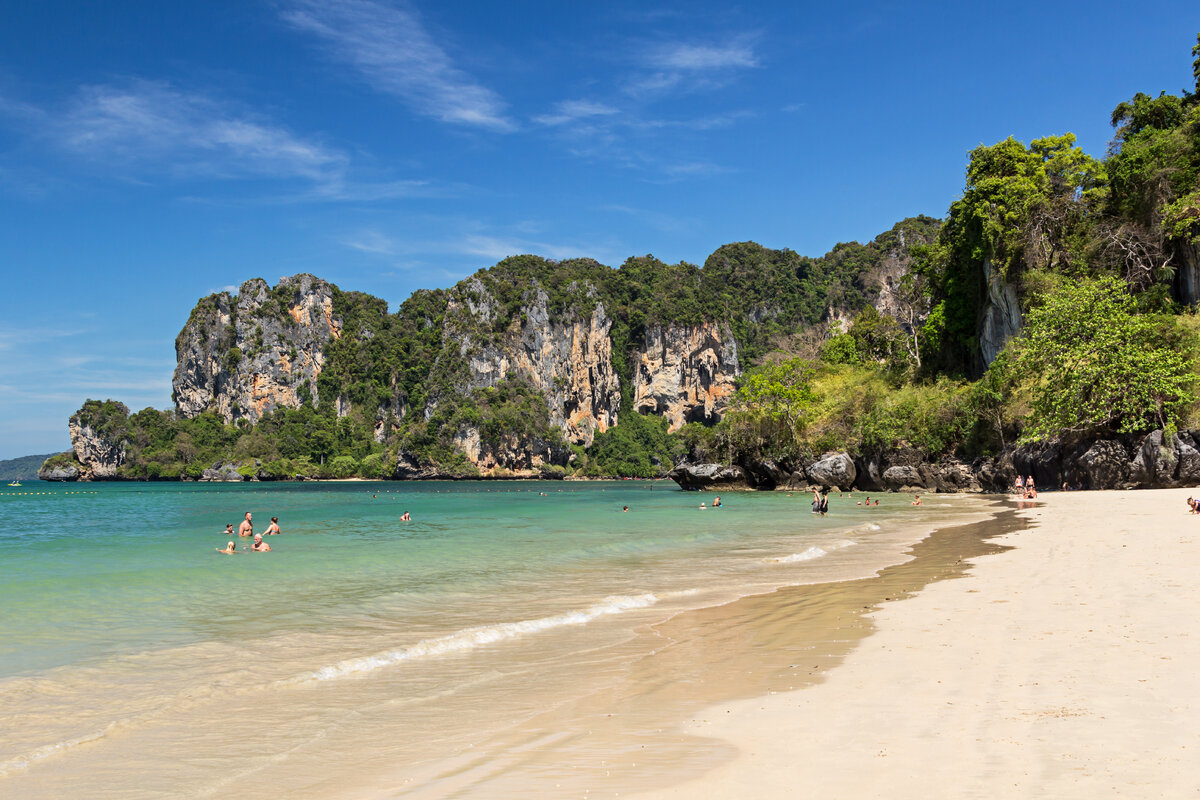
x=1062 y=667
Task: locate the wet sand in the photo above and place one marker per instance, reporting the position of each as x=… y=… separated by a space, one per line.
x=1063 y=668
x=649 y=727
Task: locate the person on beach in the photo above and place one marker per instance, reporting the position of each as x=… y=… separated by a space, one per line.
x=229 y=548
x=1029 y=485
x=1019 y=485
x=405 y=517
x=259 y=545
x=273 y=528
x=916 y=502
x=247 y=526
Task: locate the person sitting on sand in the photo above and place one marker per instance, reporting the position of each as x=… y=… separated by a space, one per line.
x=273 y=528
x=247 y=526
x=405 y=517
x=916 y=502
x=259 y=545
x=229 y=548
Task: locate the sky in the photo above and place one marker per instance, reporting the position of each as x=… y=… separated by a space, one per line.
x=153 y=153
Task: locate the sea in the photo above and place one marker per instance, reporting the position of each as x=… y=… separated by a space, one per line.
x=510 y=636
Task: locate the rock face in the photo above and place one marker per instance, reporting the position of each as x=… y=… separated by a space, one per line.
x=685 y=373
x=242 y=357
x=98 y=454
x=1001 y=314
x=226 y=472
x=1187 y=276
x=568 y=358
x=511 y=457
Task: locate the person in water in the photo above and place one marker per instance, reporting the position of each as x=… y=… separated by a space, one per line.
x=405 y=517
x=273 y=528
x=247 y=526
x=820 y=503
x=717 y=501
x=624 y=509
x=259 y=545
x=229 y=548
x=229 y=530
x=916 y=502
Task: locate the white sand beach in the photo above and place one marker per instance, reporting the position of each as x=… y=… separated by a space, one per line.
x=1065 y=667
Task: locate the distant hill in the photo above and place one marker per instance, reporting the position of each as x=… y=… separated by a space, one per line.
x=21 y=469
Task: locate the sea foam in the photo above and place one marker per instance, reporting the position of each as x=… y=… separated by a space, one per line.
x=470 y=638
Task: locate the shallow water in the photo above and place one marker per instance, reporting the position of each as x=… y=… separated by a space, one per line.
x=137 y=662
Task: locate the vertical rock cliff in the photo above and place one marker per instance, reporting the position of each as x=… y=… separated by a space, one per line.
x=685 y=373
x=242 y=357
x=568 y=357
x=1001 y=314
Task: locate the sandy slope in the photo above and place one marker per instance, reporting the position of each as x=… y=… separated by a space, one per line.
x=1066 y=667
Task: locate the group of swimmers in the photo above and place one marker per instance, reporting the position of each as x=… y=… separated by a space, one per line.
x=246 y=528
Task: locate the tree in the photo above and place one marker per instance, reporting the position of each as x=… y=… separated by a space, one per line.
x=1095 y=366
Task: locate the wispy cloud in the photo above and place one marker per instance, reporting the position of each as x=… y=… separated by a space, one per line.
x=692 y=57
x=153 y=125
x=392 y=50
x=371 y=241
x=689 y=66
x=574 y=110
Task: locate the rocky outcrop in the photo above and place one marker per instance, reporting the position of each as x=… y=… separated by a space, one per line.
x=222 y=472
x=1001 y=314
x=567 y=357
x=685 y=373
x=67 y=472
x=99 y=454
x=1153 y=461
x=703 y=477
x=1187 y=275
x=263 y=349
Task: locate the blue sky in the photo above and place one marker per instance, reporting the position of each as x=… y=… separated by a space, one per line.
x=151 y=153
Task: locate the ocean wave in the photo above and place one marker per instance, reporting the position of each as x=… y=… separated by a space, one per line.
x=470 y=638
x=812 y=553
x=24 y=762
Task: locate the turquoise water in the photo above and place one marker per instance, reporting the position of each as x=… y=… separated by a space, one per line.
x=109 y=568
x=123 y=632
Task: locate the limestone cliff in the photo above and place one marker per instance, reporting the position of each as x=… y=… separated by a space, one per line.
x=263 y=349
x=685 y=373
x=567 y=357
x=1001 y=318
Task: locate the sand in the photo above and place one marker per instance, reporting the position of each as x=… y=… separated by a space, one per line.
x=1065 y=667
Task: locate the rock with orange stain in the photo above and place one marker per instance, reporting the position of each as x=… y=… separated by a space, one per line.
x=686 y=373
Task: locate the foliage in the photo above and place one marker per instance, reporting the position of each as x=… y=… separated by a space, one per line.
x=1097 y=366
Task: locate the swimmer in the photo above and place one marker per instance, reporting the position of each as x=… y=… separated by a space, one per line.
x=247 y=526
x=875 y=503
x=228 y=530
x=702 y=506
x=273 y=528
x=229 y=548
x=259 y=545
x=717 y=501
x=405 y=517
x=624 y=509
x=916 y=502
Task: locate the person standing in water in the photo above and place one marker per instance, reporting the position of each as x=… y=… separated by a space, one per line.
x=259 y=545
x=247 y=526
x=717 y=501
x=273 y=528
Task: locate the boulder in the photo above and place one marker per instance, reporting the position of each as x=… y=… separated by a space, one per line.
x=1153 y=465
x=765 y=474
x=953 y=475
x=869 y=473
x=901 y=478
x=1104 y=465
x=222 y=471
x=701 y=477
x=1188 y=455
x=834 y=469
